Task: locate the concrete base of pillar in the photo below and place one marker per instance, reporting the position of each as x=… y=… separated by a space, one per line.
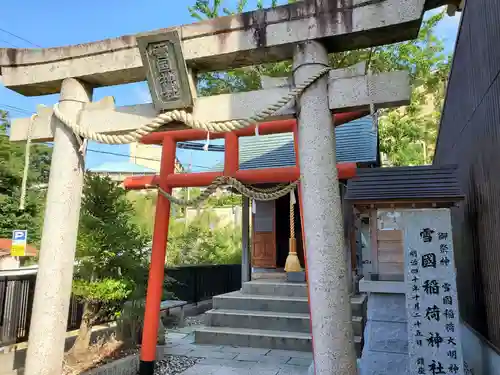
x=310 y=371
x=386 y=336
x=296 y=277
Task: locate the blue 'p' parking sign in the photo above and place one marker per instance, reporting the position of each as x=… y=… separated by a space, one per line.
x=19 y=235
x=19 y=242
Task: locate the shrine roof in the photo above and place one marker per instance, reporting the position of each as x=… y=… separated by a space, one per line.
x=356 y=142
x=419 y=183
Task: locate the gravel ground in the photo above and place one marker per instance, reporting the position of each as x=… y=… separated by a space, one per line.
x=174 y=364
x=195 y=320
x=172 y=322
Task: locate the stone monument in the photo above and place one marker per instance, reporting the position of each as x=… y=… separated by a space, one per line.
x=412 y=317
x=431 y=294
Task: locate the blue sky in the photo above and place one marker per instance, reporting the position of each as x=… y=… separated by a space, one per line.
x=53 y=23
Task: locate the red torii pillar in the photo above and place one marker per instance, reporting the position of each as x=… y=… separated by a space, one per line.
x=168 y=180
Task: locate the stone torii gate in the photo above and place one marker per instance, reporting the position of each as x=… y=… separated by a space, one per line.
x=305 y=31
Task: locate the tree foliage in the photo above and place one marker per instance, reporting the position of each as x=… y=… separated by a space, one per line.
x=199 y=243
x=225 y=200
x=11 y=174
x=112 y=255
x=221 y=199
x=407 y=135
x=144 y=210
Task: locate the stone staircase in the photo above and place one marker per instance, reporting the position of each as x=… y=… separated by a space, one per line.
x=269 y=314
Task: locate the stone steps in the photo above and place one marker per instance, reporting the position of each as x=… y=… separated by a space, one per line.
x=254 y=338
x=277 y=321
x=240 y=301
x=266 y=320
x=267 y=288
x=270 y=314
x=260 y=338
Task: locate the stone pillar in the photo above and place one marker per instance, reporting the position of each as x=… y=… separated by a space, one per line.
x=60 y=227
x=246 y=266
x=332 y=332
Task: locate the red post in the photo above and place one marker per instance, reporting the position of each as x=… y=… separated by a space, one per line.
x=157 y=266
x=231 y=156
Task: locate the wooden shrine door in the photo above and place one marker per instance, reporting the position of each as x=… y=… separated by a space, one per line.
x=264 y=235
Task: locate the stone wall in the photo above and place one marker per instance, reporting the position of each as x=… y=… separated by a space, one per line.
x=386 y=337
x=481 y=358
x=7 y=262
x=125 y=366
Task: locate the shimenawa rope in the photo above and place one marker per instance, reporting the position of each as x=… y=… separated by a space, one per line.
x=188 y=119
x=238 y=185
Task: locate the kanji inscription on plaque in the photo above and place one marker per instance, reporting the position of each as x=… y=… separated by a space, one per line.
x=166 y=70
x=431 y=295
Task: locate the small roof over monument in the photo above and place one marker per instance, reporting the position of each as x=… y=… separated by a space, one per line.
x=416 y=187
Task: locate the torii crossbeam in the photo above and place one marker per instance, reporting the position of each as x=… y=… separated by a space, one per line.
x=231 y=157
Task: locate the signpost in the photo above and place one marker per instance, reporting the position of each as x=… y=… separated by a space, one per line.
x=19 y=243
x=431 y=294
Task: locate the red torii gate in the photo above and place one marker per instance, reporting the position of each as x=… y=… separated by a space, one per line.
x=168 y=179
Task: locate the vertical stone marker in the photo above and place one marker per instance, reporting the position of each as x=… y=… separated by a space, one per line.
x=431 y=295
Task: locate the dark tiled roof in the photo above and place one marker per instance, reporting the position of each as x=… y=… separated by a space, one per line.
x=356 y=142
x=408 y=183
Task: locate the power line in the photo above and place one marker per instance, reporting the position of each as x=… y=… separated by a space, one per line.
x=181 y=145
x=8 y=107
x=195 y=146
x=9 y=43
x=122 y=155
x=20 y=38
x=137 y=157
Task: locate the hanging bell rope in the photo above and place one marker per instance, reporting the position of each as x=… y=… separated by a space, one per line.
x=292 y=260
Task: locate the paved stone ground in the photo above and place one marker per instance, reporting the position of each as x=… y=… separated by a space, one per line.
x=229 y=360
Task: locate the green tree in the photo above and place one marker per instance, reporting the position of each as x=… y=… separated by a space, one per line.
x=225 y=200
x=144 y=209
x=407 y=135
x=199 y=243
x=11 y=175
x=111 y=258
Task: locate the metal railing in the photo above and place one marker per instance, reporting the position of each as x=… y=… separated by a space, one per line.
x=192 y=284
x=198 y=283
